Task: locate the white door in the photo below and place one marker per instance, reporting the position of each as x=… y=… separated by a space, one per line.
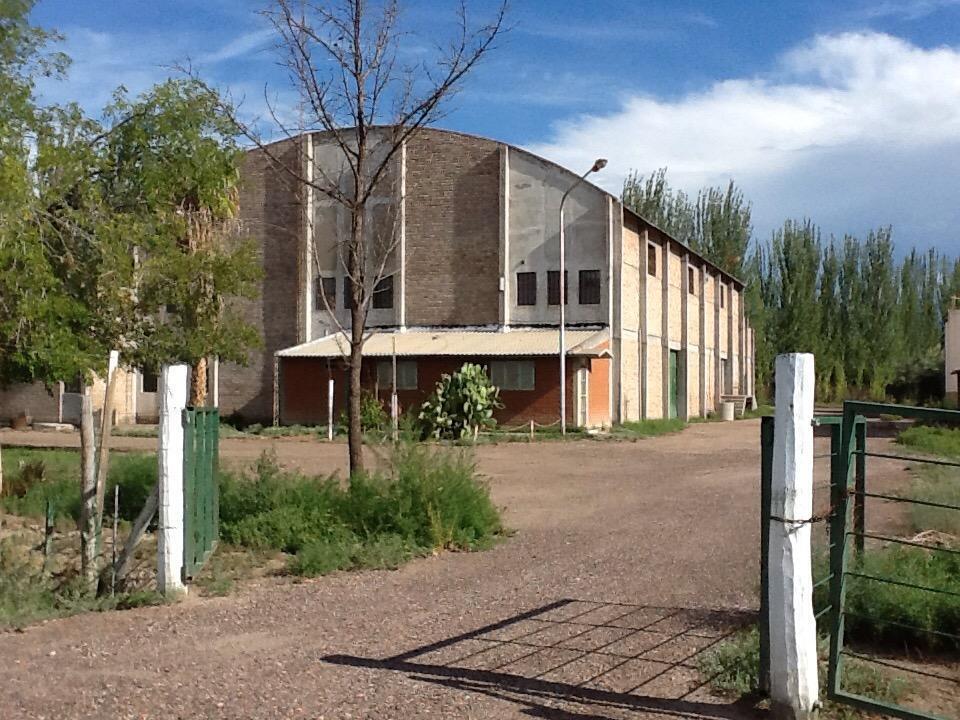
x=583 y=398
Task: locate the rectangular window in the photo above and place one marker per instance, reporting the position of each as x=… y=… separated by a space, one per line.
x=526 y=288
x=652 y=260
x=691 y=281
x=723 y=296
x=383 y=293
x=148 y=381
x=513 y=374
x=589 y=287
x=325 y=287
x=406 y=374
x=553 y=287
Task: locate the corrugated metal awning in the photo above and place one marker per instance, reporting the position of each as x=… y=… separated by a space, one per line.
x=419 y=343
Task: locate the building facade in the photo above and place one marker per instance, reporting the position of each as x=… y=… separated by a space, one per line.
x=473 y=225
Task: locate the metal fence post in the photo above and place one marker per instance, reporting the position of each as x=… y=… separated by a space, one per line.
x=766 y=481
x=840 y=521
x=859 y=501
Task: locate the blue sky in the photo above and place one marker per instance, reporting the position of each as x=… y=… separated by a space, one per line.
x=848 y=113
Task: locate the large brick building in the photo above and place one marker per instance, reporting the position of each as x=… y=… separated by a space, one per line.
x=654 y=330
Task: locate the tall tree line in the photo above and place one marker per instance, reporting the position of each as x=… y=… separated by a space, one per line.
x=875 y=323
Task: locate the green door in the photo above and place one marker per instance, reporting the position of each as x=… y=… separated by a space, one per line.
x=674 y=362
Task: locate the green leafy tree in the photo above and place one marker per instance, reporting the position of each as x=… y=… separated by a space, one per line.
x=171 y=163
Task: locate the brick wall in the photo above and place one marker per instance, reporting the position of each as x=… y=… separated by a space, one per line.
x=303 y=390
x=34 y=399
x=273 y=217
x=452 y=230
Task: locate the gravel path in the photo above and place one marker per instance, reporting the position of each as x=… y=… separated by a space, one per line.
x=628 y=559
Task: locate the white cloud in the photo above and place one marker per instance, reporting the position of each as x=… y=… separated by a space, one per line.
x=834 y=119
x=239 y=46
x=907 y=9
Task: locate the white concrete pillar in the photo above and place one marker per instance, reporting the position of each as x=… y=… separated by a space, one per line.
x=173 y=400
x=793 y=631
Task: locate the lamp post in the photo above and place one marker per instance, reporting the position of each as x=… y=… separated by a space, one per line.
x=597 y=166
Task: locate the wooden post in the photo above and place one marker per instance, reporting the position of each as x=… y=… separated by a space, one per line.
x=106 y=427
x=88 y=496
x=113 y=563
x=173 y=400
x=794 y=687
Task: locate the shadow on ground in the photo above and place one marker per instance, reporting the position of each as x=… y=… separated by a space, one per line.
x=576 y=656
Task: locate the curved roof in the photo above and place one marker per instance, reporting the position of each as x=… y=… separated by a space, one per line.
x=573 y=176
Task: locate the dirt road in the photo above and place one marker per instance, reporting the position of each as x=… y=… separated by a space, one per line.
x=628 y=559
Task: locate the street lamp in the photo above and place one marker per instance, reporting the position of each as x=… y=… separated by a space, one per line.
x=600 y=164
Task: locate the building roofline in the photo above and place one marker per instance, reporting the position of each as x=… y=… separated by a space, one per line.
x=555 y=164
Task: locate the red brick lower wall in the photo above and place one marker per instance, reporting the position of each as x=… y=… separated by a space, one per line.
x=303 y=389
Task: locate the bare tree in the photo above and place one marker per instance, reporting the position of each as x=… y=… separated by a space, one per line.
x=343 y=59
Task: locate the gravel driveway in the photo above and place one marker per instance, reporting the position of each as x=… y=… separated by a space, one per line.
x=628 y=560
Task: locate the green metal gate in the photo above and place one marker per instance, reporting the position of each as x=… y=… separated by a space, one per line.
x=846 y=544
x=848 y=522
x=201 y=496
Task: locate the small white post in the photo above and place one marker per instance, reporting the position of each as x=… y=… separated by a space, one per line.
x=531 y=430
x=794 y=688
x=330 y=409
x=173 y=400
x=394 y=404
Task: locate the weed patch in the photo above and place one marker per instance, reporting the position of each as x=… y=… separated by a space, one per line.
x=647 y=428
x=429 y=499
x=35 y=477
x=931 y=439
x=29 y=595
x=733 y=668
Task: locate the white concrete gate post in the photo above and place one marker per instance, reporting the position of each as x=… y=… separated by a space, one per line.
x=173 y=399
x=794 y=688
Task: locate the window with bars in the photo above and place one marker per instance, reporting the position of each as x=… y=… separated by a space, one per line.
x=325 y=287
x=652 y=260
x=553 y=287
x=589 y=287
x=513 y=374
x=383 y=293
x=406 y=374
x=526 y=288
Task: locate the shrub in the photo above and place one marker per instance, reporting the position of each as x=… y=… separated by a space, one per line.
x=430 y=499
x=372 y=414
x=461 y=404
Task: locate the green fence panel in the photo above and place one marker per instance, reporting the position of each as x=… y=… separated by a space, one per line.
x=849 y=490
x=201 y=491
